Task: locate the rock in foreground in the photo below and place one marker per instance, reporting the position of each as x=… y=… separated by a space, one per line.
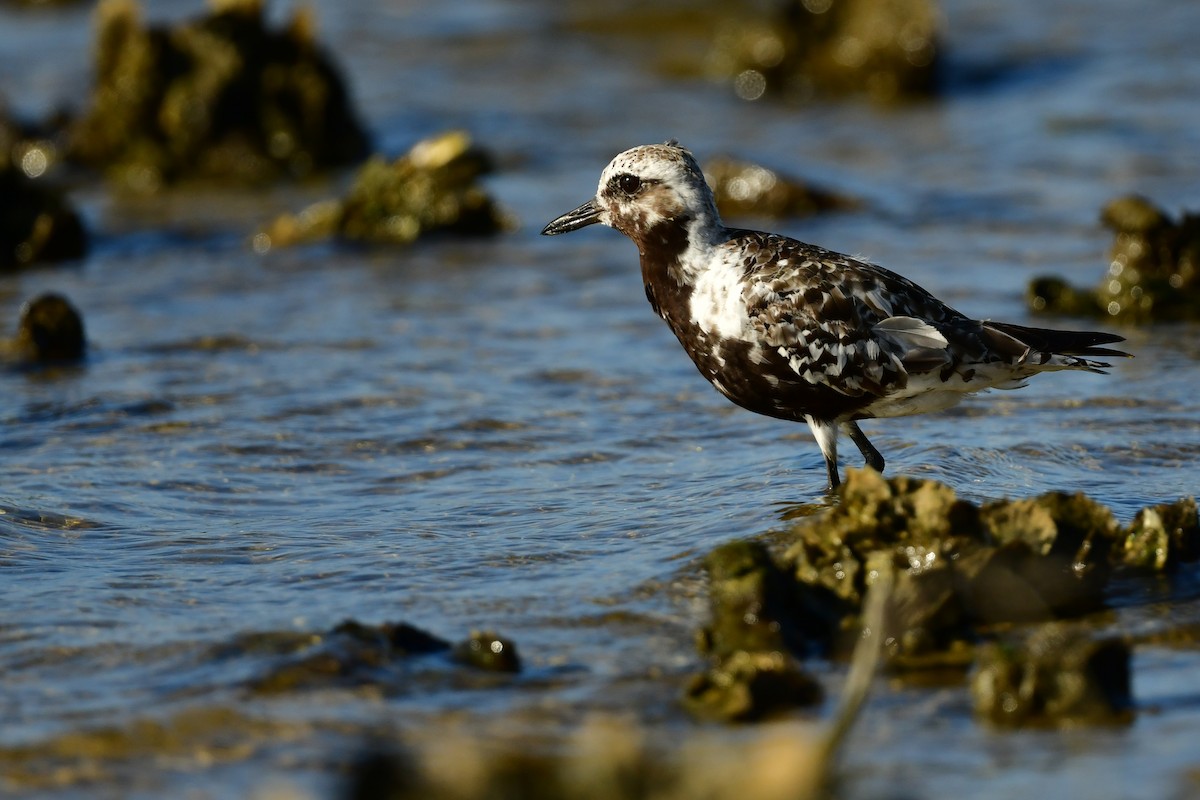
x=961 y=575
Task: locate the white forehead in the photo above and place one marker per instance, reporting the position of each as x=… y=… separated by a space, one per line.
x=666 y=163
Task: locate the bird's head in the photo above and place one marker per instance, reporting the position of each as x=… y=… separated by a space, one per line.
x=642 y=189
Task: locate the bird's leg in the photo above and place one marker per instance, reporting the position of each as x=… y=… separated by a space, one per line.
x=873 y=457
x=826 y=434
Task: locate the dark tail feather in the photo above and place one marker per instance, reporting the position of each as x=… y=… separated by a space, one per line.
x=1066 y=343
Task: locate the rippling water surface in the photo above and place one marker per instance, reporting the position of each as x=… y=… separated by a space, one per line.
x=500 y=434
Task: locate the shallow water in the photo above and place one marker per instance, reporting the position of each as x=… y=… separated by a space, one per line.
x=500 y=434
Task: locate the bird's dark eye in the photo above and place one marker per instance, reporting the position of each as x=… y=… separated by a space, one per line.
x=629 y=184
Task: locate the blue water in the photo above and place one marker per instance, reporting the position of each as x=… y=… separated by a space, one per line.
x=501 y=434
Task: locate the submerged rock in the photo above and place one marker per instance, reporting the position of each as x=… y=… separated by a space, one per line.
x=37 y=224
x=431 y=188
x=746 y=189
x=50 y=332
x=1153 y=272
x=488 y=651
x=887 y=50
x=354 y=654
x=219 y=97
x=1054 y=675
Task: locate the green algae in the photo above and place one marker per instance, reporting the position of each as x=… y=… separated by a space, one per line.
x=1162 y=537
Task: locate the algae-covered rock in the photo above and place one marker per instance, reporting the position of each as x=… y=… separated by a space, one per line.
x=745 y=189
x=922 y=521
x=1153 y=272
x=1055 y=675
x=354 y=654
x=218 y=97
x=750 y=602
x=958 y=566
x=959 y=575
x=37 y=223
x=757 y=628
x=1162 y=537
x=887 y=50
x=50 y=332
x=434 y=187
x=746 y=686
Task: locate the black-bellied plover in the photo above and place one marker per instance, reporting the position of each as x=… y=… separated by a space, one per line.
x=794 y=331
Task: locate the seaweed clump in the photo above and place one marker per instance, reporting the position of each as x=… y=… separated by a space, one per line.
x=219 y=97
x=961 y=575
x=434 y=187
x=1153 y=271
x=888 y=51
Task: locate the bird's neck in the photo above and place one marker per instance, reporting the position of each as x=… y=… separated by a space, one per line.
x=674 y=253
x=675 y=250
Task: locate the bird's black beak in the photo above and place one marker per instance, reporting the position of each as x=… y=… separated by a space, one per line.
x=586 y=214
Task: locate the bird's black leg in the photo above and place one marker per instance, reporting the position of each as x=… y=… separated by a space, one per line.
x=831 y=468
x=873 y=457
x=826 y=434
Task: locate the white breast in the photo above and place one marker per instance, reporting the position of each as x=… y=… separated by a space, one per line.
x=717 y=304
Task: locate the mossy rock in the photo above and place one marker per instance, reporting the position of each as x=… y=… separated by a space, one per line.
x=37 y=223
x=744 y=189
x=1153 y=273
x=221 y=97
x=1053 y=676
x=885 y=50
x=961 y=570
x=433 y=188
x=50 y=331
x=750 y=686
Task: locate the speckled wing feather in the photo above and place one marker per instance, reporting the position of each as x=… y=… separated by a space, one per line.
x=856 y=327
